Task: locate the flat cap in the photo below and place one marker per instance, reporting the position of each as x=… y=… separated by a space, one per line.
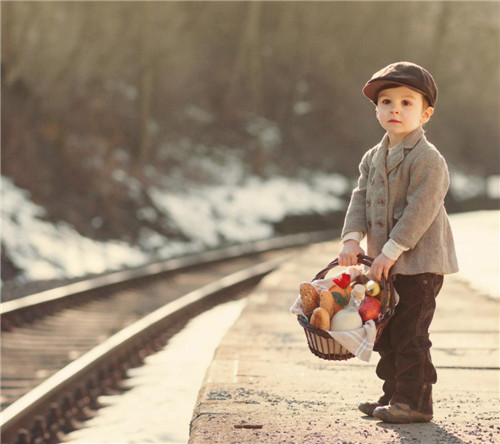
x=402 y=74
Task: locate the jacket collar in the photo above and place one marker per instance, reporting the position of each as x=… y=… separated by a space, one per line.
x=398 y=152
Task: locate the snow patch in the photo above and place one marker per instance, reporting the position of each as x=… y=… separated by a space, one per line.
x=47 y=251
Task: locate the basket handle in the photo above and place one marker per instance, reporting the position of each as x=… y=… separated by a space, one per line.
x=362 y=259
x=388 y=300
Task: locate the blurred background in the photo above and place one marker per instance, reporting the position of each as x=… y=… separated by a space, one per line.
x=134 y=131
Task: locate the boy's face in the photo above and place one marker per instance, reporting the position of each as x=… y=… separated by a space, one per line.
x=401 y=110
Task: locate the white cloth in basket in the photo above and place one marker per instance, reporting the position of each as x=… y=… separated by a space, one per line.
x=359 y=342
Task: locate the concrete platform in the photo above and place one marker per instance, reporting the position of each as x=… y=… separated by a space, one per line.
x=265 y=386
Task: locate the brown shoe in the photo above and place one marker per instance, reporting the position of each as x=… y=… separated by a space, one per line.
x=368 y=407
x=400 y=414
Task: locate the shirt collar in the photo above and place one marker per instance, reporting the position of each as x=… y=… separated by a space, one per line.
x=408 y=142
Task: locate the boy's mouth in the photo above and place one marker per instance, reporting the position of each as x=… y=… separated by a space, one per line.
x=394 y=121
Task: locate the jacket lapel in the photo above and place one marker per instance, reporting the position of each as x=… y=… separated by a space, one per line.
x=380 y=155
x=408 y=143
x=395 y=158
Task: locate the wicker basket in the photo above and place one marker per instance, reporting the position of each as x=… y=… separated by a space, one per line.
x=321 y=343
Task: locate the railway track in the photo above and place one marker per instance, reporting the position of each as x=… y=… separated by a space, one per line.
x=63 y=348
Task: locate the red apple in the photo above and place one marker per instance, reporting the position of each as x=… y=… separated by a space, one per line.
x=369 y=308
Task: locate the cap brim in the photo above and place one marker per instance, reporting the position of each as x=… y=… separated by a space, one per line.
x=372 y=89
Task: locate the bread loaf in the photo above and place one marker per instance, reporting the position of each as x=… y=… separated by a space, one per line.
x=310 y=298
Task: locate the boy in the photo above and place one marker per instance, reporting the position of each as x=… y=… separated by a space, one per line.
x=399 y=205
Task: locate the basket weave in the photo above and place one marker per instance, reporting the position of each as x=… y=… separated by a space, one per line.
x=321 y=343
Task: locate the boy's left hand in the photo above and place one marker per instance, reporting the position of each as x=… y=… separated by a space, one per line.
x=381 y=266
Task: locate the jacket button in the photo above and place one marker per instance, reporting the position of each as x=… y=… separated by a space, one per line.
x=369 y=223
x=368 y=203
x=379 y=223
x=381 y=202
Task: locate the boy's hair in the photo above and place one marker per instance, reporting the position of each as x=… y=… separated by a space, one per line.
x=402 y=74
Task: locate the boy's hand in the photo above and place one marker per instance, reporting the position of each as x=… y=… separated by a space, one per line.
x=349 y=254
x=381 y=266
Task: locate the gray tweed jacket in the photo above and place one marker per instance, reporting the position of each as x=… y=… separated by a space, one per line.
x=404 y=200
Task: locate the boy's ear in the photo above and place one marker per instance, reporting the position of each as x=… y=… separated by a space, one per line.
x=426 y=115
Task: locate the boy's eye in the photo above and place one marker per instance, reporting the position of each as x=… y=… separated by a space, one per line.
x=386 y=101
x=406 y=103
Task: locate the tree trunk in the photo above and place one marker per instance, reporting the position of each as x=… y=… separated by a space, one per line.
x=145 y=84
x=247 y=72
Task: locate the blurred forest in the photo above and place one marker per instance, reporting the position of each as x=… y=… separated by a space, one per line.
x=89 y=88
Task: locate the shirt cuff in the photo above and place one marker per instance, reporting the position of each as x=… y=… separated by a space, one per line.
x=354 y=235
x=393 y=250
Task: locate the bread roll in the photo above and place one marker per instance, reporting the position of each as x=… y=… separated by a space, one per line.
x=326 y=302
x=309 y=296
x=320 y=318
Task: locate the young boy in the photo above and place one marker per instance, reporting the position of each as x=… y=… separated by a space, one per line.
x=399 y=205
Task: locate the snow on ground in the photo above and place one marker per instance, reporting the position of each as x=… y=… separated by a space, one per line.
x=47 y=251
x=246 y=212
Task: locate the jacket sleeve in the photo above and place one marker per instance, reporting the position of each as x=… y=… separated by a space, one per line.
x=429 y=182
x=355 y=219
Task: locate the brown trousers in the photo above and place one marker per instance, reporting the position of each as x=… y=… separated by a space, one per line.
x=405 y=363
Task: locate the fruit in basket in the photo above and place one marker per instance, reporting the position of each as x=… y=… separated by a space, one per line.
x=370 y=308
x=372 y=288
x=346 y=320
x=326 y=302
x=309 y=296
x=341 y=297
x=320 y=318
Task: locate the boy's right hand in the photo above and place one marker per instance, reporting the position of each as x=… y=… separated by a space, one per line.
x=349 y=254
